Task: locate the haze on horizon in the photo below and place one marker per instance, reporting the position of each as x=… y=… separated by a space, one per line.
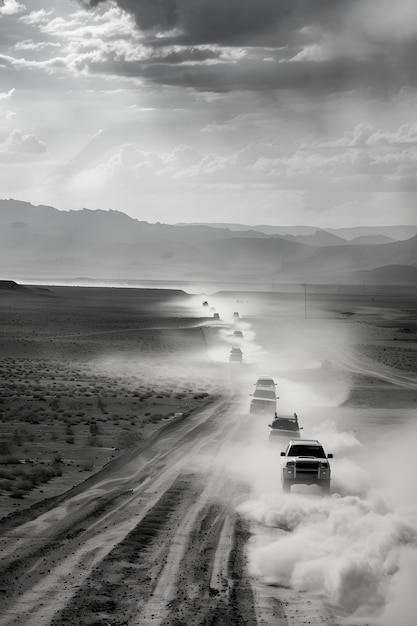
x=269 y=112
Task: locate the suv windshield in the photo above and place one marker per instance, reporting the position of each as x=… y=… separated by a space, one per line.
x=282 y=422
x=306 y=450
x=264 y=394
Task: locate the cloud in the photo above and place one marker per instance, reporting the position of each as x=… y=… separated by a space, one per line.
x=22 y=144
x=36 y=18
x=363 y=135
x=316 y=47
x=7 y=95
x=265 y=164
x=229 y=22
x=32 y=45
x=11 y=7
x=325 y=46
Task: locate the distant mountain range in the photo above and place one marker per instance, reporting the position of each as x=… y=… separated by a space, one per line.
x=376 y=234
x=43 y=243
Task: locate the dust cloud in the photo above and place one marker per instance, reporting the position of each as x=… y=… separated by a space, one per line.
x=356 y=548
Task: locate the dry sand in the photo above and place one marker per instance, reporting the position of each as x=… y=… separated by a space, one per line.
x=140 y=520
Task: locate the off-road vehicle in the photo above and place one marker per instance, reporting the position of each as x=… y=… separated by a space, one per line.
x=264 y=400
x=305 y=463
x=236 y=355
x=284 y=426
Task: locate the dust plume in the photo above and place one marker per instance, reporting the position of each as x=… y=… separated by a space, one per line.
x=356 y=548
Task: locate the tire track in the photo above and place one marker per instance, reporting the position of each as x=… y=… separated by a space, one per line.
x=125 y=578
x=51 y=558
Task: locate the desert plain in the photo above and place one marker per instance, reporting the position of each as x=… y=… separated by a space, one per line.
x=136 y=488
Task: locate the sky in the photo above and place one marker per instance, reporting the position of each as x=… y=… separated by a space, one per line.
x=286 y=112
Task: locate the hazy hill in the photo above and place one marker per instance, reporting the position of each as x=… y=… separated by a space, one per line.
x=263 y=228
x=372 y=240
x=329 y=262
x=319 y=238
x=41 y=243
x=395 y=233
x=388 y=275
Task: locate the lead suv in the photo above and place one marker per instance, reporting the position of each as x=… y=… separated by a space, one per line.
x=305 y=463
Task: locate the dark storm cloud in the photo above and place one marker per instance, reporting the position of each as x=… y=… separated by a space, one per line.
x=326 y=77
x=323 y=46
x=231 y=22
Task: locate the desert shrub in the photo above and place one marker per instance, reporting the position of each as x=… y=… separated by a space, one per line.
x=70 y=439
x=8 y=459
x=87 y=466
x=68 y=430
x=17 y=493
x=57 y=469
x=101 y=405
x=129 y=439
x=92 y=440
x=57 y=458
x=94 y=429
x=74 y=405
x=5 y=484
x=7 y=473
x=23 y=484
x=4 y=449
x=38 y=396
x=17 y=438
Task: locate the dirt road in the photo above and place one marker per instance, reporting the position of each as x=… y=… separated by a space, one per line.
x=153 y=538
x=147 y=540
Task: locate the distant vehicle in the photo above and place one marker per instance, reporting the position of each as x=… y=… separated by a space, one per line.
x=205 y=303
x=266 y=381
x=305 y=463
x=264 y=400
x=236 y=355
x=216 y=316
x=284 y=426
x=238 y=333
x=236 y=314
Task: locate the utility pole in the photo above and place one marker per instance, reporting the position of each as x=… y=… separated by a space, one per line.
x=305 y=299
